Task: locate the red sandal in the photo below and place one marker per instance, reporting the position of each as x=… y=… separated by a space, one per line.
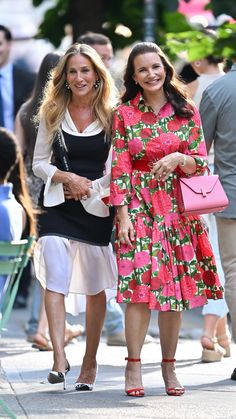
x=137 y=391
x=173 y=391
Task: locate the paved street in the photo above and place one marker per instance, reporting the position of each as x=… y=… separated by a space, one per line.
x=24 y=388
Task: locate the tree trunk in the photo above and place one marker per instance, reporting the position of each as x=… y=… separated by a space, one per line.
x=92 y=16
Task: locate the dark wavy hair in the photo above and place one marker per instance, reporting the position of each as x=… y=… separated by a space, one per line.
x=173 y=87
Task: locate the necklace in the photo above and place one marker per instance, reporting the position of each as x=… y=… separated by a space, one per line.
x=156 y=108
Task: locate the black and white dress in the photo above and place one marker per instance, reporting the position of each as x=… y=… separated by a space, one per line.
x=74 y=253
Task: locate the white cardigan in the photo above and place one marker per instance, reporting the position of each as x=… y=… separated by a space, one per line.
x=53 y=192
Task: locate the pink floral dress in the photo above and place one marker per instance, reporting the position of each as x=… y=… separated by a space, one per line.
x=170 y=265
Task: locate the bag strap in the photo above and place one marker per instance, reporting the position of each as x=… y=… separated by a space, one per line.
x=60 y=151
x=208 y=170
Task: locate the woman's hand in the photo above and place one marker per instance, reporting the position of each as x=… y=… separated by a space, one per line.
x=76 y=187
x=165 y=166
x=126 y=231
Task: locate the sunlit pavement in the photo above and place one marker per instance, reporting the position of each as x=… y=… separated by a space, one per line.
x=24 y=389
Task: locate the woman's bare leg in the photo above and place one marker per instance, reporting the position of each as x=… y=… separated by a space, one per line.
x=95 y=315
x=55 y=309
x=209 y=330
x=40 y=339
x=137 y=317
x=169 y=326
x=223 y=334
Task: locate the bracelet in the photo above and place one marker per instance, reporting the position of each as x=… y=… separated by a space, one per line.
x=183 y=163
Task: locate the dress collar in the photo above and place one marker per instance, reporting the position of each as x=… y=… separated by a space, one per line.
x=68 y=126
x=165 y=111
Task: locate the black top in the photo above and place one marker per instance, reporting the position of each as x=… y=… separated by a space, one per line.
x=87 y=157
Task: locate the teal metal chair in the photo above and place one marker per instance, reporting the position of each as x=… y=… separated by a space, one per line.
x=14 y=257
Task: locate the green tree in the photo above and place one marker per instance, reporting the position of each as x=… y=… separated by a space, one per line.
x=105 y=15
x=91 y=15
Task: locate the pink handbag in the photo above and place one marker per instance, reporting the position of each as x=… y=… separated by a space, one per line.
x=201 y=195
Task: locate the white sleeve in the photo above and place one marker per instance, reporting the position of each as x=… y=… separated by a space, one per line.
x=100 y=189
x=108 y=162
x=53 y=192
x=42 y=155
x=102 y=185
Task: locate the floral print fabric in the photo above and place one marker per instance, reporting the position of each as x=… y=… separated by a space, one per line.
x=170 y=265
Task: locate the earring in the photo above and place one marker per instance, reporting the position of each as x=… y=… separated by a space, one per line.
x=97 y=83
x=67 y=86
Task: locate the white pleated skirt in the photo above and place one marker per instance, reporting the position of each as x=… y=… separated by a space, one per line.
x=75 y=269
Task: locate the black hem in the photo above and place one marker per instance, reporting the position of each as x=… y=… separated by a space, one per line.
x=74 y=238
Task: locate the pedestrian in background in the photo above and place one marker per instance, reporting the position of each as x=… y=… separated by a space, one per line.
x=215 y=339
x=217 y=109
x=165 y=261
x=71 y=150
x=15 y=87
x=15 y=84
x=26 y=132
x=16 y=212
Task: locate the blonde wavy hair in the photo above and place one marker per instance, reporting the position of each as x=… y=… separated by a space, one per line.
x=57 y=96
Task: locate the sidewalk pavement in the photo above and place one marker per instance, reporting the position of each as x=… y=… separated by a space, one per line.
x=24 y=388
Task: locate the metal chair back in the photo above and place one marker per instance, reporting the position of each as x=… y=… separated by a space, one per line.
x=14 y=257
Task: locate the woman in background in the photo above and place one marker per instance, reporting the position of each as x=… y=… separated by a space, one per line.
x=16 y=212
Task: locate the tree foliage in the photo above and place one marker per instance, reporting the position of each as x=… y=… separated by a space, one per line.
x=90 y=15
x=197 y=44
x=172 y=30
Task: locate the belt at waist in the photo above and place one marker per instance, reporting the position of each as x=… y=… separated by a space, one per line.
x=142 y=165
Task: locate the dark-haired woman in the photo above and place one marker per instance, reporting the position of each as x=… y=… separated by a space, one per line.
x=165 y=261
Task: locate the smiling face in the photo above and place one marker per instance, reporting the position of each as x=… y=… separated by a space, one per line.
x=149 y=72
x=80 y=75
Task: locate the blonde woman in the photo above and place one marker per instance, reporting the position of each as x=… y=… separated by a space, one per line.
x=74 y=254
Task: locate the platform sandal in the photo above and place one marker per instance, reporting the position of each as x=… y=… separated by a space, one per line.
x=211 y=352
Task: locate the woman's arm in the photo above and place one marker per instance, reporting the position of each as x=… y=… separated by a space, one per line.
x=192 y=155
x=42 y=155
x=74 y=186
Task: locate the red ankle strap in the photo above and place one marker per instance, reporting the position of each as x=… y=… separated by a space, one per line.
x=169 y=360
x=133 y=359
